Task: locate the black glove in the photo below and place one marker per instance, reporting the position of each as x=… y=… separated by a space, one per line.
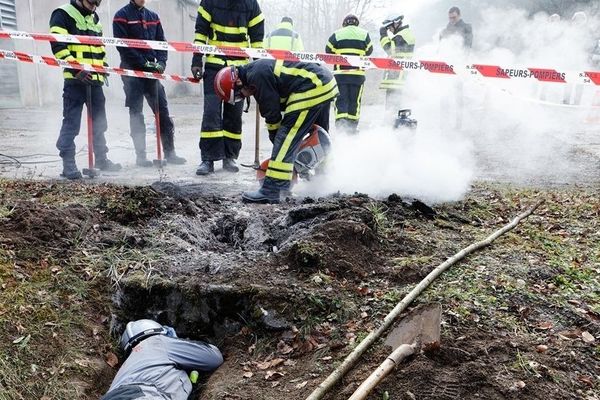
x=85 y=77
x=197 y=66
x=161 y=66
x=383 y=31
x=272 y=134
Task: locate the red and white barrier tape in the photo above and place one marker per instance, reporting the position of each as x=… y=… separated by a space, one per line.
x=435 y=67
x=53 y=62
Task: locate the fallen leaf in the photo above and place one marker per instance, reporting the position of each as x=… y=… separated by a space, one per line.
x=544 y=326
x=588 y=380
x=273 y=375
x=248 y=375
x=283 y=348
x=301 y=385
x=112 y=360
x=588 y=337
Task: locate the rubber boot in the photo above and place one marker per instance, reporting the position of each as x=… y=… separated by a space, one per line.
x=230 y=165
x=142 y=161
x=104 y=164
x=205 y=168
x=173 y=158
x=262 y=196
x=70 y=170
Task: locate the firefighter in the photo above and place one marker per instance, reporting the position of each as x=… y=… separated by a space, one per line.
x=350 y=40
x=238 y=23
x=291 y=96
x=158 y=363
x=398 y=42
x=284 y=37
x=79 y=17
x=135 y=21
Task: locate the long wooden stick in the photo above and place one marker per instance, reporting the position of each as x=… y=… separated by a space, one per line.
x=353 y=357
x=402 y=352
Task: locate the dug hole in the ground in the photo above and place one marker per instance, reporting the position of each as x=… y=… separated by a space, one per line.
x=288 y=291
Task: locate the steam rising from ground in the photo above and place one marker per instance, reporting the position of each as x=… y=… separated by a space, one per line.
x=517 y=130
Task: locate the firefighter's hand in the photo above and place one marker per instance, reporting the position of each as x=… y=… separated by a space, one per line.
x=160 y=67
x=383 y=30
x=197 y=72
x=272 y=134
x=85 y=77
x=151 y=66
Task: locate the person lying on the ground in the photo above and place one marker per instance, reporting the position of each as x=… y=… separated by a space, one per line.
x=158 y=363
x=292 y=97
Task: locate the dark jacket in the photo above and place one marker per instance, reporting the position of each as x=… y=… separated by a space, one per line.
x=285 y=87
x=64 y=24
x=462 y=29
x=132 y=22
x=235 y=23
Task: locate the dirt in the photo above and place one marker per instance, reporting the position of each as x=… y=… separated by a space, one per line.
x=287 y=291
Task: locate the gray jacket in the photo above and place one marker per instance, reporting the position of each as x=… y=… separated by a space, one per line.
x=158 y=368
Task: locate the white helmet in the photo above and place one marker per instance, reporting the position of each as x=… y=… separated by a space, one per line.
x=136 y=331
x=393 y=18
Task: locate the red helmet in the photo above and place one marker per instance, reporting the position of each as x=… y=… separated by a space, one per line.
x=225 y=85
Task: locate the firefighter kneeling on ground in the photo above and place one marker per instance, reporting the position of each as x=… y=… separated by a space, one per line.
x=158 y=363
x=301 y=91
x=79 y=18
x=135 y=21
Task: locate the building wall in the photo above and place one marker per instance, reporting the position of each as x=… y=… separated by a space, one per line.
x=42 y=85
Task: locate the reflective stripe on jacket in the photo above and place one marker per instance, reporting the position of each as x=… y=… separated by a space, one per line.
x=350 y=40
x=284 y=37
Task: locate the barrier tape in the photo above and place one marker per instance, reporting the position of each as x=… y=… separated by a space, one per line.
x=434 y=67
x=53 y=62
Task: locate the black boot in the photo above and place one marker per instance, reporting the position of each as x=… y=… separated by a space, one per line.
x=230 y=165
x=262 y=196
x=142 y=161
x=104 y=164
x=205 y=168
x=172 y=158
x=70 y=170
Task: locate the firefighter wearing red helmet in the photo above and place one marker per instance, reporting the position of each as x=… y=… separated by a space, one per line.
x=292 y=97
x=234 y=23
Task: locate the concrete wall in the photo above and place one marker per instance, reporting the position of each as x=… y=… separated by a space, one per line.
x=42 y=85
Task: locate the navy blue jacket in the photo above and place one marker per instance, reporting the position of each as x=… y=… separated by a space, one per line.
x=132 y=22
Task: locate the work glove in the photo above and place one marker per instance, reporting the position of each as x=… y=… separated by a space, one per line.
x=197 y=66
x=383 y=31
x=161 y=65
x=85 y=77
x=272 y=134
x=170 y=331
x=151 y=66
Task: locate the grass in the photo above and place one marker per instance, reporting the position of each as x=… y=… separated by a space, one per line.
x=382 y=224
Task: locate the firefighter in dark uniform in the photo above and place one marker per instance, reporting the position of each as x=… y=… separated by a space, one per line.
x=398 y=41
x=238 y=23
x=291 y=96
x=284 y=37
x=79 y=18
x=135 y=21
x=350 y=40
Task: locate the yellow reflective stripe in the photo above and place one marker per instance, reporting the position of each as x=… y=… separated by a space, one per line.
x=278 y=67
x=95 y=77
x=350 y=51
x=201 y=38
x=370 y=46
x=272 y=127
x=319 y=90
x=290 y=136
x=232 y=135
x=349 y=72
x=214 y=60
x=211 y=135
x=256 y=20
x=204 y=14
x=87 y=49
x=63 y=54
x=282 y=166
x=59 y=30
x=304 y=105
x=257 y=45
x=360 y=94
x=90 y=61
x=233 y=30
x=346 y=116
x=385 y=40
x=227 y=44
x=314 y=78
x=219 y=61
x=284 y=176
x=330 y=46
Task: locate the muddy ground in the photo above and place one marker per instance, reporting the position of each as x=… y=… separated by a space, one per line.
x=287 y=291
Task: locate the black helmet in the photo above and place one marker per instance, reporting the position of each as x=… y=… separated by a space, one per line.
x=136 y=331
x=351 y=19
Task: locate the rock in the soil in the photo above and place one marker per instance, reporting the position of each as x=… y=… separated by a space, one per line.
x=542 y=348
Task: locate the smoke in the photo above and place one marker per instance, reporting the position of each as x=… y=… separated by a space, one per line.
x=517 y=130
